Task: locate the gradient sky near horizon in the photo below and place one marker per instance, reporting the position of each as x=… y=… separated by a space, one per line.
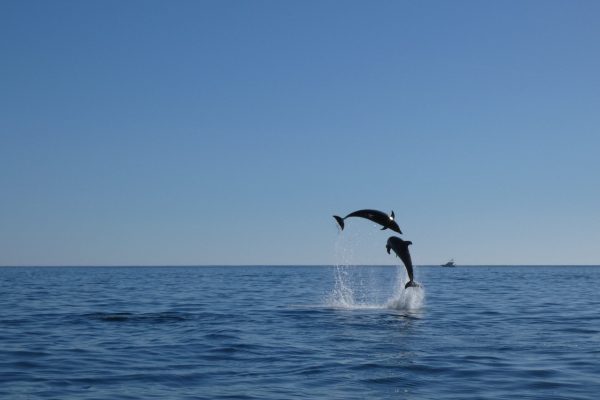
x=229 y=132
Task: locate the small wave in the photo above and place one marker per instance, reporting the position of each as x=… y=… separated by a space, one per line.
x=24 y=353
x=220 y=336
x=162 y=317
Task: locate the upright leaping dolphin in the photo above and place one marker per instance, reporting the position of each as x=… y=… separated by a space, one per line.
x=400 y=247
x=387 y=221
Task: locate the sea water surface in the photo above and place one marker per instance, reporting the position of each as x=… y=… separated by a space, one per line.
x=295 y=332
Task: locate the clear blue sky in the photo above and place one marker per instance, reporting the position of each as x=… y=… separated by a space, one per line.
x=228 y=132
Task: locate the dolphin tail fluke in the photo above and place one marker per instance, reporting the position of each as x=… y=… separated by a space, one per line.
x=411 y=284
x=340 y=221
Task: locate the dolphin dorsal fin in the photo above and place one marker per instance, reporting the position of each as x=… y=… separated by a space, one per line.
x=392 y=215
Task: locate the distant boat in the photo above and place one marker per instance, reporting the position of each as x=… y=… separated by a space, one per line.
x=449 y=263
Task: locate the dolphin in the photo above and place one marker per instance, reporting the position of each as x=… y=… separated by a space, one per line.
x=400 y=247
x=387 y=221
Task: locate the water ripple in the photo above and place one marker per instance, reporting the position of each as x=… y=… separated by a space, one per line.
x=281 y=332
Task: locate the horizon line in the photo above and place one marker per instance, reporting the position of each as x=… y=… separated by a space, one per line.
x=280 y=265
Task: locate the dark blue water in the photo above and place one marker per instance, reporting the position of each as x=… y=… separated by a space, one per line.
x=299 y=333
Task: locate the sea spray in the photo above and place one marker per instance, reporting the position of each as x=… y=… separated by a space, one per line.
x=360 y=287
x=342 y=294
x=411 y=298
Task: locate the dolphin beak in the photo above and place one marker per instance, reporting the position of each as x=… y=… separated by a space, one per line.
x=388 y=249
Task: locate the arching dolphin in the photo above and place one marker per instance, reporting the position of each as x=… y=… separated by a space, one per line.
x=400 y=247
x=387 y=221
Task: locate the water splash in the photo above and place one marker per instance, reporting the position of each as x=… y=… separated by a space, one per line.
x=342 y=295
x=410 y=299
x=353 y=290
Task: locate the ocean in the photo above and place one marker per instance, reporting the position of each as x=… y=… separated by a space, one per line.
x=299 y=332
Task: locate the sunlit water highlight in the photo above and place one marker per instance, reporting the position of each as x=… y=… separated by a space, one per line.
x=278 y=333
